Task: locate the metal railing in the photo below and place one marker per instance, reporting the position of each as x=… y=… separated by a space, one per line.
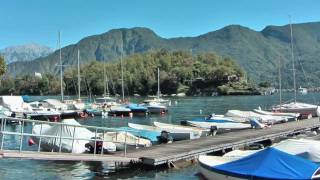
x=42 y=137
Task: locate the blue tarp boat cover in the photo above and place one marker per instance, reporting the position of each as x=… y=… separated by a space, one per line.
x=269 y=164
x=151 y=135
x=136 y=107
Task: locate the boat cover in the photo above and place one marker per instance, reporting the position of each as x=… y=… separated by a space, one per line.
x=136 y=107
x=66 y=132
x=14 y=103
x=269 y=163
x=308 y=149
x=56 y=104
x=151 y=135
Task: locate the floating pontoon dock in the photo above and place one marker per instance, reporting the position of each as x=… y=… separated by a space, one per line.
x=167 y=153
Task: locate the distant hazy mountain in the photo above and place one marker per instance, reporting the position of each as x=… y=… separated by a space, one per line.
x=257 y=52
x=26 y=52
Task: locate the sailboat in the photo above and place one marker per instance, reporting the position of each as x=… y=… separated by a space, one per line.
x=157 y=105
x=79 y=105
x=158 y=98
x=296 y=107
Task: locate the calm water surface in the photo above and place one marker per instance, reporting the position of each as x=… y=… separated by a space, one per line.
x=185 y=109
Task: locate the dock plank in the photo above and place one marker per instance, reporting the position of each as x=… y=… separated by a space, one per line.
x=165 y=153
x=187 y=149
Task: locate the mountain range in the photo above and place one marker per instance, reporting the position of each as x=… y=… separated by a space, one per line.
x=257 y=52
x=27 y=52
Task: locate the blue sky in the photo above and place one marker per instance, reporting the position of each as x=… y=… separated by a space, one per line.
x=38 y=21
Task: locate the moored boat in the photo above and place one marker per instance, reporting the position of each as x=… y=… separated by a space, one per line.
x=176 y=134
x=269 y=163
x=137 y=109
x=246 y=115
x=298 y=107
x=124 y=138
x=156 y=108
x=61 y=137
x=293 y=116
x=119 y=111
x=223 y=125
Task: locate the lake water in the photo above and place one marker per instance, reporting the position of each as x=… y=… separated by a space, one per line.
x=186 y=108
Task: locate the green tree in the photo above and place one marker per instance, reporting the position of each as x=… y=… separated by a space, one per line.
x=3 y=67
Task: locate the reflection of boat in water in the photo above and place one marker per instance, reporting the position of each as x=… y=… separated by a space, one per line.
x=269 y=163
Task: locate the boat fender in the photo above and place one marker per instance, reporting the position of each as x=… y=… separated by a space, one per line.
x=31 y=142
x=82 y=114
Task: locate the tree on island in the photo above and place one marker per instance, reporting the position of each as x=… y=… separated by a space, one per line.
x=2 y=66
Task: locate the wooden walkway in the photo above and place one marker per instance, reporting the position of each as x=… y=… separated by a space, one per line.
x=66 y=156
x=189 y=149
x=181 y=150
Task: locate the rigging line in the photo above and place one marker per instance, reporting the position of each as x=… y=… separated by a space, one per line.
x=306 y=78
x=304 y=73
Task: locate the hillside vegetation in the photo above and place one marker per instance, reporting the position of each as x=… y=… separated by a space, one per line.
x=180 y=72
x=257 y=52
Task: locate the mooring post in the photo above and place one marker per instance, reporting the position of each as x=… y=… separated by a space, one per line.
x=101 y=153
x=39 y=145
x=74 y=132
x=3 y=129
x=21 y=136
x=95 y=142
x=60 y=143
x=125 y=145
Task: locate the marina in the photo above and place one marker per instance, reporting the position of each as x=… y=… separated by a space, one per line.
x=148 y=90
x=163 y=153
x=158 y=155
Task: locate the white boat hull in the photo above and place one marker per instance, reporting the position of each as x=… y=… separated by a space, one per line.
x=211 y=175
x=224 y=126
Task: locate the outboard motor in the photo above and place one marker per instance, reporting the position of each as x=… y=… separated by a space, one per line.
x=13 y=114
x=184 y=123
x=165 y=137
x=256 y=124
x=213 y=131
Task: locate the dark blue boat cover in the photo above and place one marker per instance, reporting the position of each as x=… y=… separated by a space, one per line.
x=269 y=163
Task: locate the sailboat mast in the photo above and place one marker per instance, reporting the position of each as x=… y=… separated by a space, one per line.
x=61 y=68
x=280 y=83
x=122 y=83
x=104 y=79
x=158 y=93
x=107 y=86
x=79 y=79
x=293 y=67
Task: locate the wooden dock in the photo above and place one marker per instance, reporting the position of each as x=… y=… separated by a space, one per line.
x=190 y=149
x=181 y=150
